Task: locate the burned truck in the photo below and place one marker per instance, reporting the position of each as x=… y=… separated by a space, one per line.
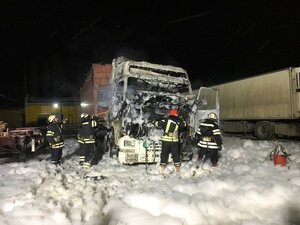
x=143 y=93
x=137 y=94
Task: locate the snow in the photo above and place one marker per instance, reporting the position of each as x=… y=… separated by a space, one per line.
x=246 y=188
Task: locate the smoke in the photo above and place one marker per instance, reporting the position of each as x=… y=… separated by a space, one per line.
x=141 y=55
x=196 y=83
x=132 y=54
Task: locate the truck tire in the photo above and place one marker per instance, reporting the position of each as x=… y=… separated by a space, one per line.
x=264 y=130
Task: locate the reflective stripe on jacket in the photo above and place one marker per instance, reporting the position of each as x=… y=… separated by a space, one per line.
x=207 y=142
x=172 y=126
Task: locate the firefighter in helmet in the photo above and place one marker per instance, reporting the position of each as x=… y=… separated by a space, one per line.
x=55 y=139
x=86 y=139
x=172 y=126
x=209 y=139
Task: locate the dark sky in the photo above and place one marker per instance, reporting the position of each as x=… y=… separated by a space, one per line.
x=48 y=46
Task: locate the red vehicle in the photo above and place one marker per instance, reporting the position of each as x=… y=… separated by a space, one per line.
x=20 y=141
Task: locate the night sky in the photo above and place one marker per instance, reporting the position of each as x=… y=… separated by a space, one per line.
x=47 y=47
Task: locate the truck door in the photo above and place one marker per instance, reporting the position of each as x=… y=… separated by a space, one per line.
x=207 y=101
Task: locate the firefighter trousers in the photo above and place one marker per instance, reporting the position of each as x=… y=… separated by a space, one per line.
x=86 y=152
x=99 y=151
x=212 y=154
x=167 y=148
x=56 y=154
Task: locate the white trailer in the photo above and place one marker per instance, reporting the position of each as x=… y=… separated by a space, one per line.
x=266 y=104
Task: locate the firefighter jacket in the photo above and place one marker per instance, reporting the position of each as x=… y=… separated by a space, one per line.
x=86 y=131
x=54 y=136
x=209 y=135
x=101 y=131
x=172 y=126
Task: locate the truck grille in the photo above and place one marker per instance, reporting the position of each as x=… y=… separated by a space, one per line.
x=154 y=146
x=131 y=158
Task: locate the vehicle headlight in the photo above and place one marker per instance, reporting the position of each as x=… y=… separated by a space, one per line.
x=129 y=143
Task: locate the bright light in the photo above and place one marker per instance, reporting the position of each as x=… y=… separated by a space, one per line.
x=55 y=105
x=83 y=104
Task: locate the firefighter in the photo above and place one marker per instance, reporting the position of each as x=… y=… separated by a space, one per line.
x=209 y=139
x=55 y=139
x=172 y=126
x=101 y=132
x=86 y=139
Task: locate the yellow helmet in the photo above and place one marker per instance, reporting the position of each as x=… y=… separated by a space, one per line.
x=213 y=116
x=51 y=118
x=84 y=115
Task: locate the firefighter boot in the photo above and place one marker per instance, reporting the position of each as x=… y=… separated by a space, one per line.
x=162 y=169
x=86 y=165
x=214 y=163
x=81 y=160
x=200 y=155
x=177 y=169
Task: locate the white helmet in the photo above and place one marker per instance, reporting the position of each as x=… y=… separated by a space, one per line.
x=84 y=115
x=51 y=118
x=213 y=116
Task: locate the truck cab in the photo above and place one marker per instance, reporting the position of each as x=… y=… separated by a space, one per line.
x=142 y=93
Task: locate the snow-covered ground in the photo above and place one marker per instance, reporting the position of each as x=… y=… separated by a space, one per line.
x=245 y=189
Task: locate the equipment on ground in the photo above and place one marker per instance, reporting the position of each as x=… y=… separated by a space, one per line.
x=279 y=155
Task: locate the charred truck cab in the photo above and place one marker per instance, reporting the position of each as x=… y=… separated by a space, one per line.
x=142 y=93
x=130 y=95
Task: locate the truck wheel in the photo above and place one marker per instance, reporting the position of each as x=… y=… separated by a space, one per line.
x=264 y=130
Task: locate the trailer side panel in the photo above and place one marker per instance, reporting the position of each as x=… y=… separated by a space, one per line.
x=95 y=91
x=257 y=98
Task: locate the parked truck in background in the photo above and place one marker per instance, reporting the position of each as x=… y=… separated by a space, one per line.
x=20 y=141
x=265 y=105
x=96 y=92
x=130 y=96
